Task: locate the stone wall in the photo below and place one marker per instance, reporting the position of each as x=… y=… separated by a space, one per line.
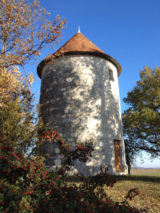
x=80 y=101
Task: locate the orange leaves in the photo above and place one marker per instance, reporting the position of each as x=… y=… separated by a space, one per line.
x=12 y=83
x=26 y=29
x=31 y=79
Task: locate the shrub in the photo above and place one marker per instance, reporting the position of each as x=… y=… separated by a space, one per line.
x=27 y=186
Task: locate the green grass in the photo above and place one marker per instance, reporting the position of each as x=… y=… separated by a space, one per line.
x=149 y=188
x=146 y=172
x=148 y=183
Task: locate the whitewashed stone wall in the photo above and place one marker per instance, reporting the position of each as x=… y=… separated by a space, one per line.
x=82 y=103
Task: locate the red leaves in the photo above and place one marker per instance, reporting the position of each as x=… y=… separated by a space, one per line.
x=80 y=147
x=61 y=172
x=28 y=193
x=82 y=152
x=50 y=136
x=46 y=191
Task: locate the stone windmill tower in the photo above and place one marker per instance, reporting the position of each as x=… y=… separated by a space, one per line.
x=80 y=99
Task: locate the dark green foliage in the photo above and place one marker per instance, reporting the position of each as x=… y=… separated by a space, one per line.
x=18 y=123
x=141 y=121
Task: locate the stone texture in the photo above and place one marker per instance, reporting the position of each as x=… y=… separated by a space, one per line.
x=82 y=103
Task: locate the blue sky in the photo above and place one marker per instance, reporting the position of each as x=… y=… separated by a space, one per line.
x=127 y=30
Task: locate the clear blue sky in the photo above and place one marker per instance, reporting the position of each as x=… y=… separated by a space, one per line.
x=128 y=30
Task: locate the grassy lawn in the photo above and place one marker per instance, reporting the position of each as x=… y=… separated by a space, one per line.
x=146 y=172
x=148 y=183
x=149 y=188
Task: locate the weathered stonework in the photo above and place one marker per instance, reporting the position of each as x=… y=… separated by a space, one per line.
x=80 y=101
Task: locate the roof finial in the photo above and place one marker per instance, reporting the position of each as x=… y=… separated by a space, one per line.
x=79 y=31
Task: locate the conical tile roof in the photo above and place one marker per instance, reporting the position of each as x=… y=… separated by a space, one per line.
x=79 y=44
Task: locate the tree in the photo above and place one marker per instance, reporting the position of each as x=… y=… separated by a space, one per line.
x=141 y=120
x=131 y=153
x=24 y=31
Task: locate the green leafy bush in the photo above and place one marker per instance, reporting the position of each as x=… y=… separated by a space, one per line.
x=27 y=186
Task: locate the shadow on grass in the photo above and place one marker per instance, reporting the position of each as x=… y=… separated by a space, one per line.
x=118 y=178
x=139 y=178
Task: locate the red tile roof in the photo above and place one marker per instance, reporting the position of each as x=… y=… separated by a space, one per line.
x=79 y=44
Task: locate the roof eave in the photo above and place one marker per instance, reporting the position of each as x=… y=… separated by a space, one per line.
x=100 y=54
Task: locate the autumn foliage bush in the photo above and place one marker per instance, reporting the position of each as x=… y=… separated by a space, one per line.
x=27 y=186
